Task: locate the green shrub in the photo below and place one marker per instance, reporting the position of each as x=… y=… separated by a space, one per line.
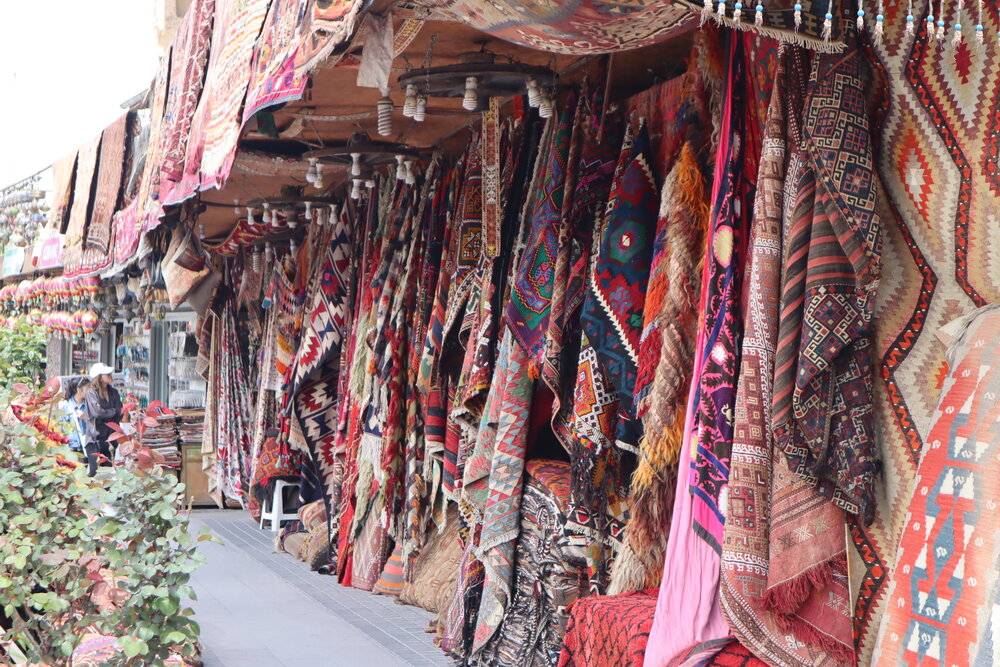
x=22 y=354
x=64 y=537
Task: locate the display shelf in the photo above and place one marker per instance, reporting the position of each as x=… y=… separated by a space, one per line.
x=133 y=357
x=187 y=388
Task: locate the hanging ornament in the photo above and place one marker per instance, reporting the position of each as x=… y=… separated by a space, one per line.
x=470 y=102
x=356 y=188
x=798 y=16
x=827 y=26
x=410 y=101
x=400 y=169
x=355 y=164
x=384 y=109
x=721 y=9
x=910 y=21
x=737 y=11
x=421 y=111
x=545 y=107
x=861 y=17
x=758 y=18
x=534 y=93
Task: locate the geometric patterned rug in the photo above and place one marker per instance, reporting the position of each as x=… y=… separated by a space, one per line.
x=938 y=154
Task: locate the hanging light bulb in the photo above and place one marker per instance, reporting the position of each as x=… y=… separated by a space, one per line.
x=410 y=101
x=292 y=246
x=421 y=113
x=311 y=171
x=409 y=175
x=384 y=116
x=201 y=231
x=534 y=94
x=370 y=183
x=255 y=260
x=356 y=188
x=268 y=252
x=309 y=211
x=333 y=213
x=545 y=106
x=268 y=217
x=400 y=169
x=236 y=207
x=319 y=184
x=355 y=164
x=471 y=100
x=250 y=219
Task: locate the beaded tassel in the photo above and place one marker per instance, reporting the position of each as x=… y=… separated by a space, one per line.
x=798 y=16
x=909 y=19
x=758 y=18
x=939 y=35
x=721 y=11
x=861 y=17
x=706 y=11
x=980 y=37
x=879 y=23
x=737 y=11
x=827 y=26
x=957 y=37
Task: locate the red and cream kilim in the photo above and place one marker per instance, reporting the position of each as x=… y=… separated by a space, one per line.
x=937 y=155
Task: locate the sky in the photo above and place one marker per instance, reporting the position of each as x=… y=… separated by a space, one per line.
x=66 y=66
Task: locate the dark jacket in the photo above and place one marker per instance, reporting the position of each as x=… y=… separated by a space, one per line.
x=99 y=412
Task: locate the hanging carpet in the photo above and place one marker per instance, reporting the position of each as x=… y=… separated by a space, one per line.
x=187 y=76
x=274 y=79
x=110 y=172
x=551 y=567
x=689 y=626
x=783 y=541
x=940 y=261
x=576 y=27
x=944 y=588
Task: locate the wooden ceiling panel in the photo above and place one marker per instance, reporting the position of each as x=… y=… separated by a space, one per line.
x=335 y=107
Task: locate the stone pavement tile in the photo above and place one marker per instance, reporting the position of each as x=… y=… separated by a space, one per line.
x=243 y=658
x=253 y=599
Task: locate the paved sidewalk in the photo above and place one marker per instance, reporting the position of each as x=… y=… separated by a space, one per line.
x=259 y=608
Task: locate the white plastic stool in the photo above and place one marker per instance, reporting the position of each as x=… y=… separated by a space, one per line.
x=274 y=507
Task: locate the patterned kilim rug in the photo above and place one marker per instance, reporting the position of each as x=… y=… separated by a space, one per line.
x=608 y=630
x=939 y=162
x=111 y=166
x=572 y=26
x=944 y=588
x=187 y=75
x=273 y=79
x=237 y=25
